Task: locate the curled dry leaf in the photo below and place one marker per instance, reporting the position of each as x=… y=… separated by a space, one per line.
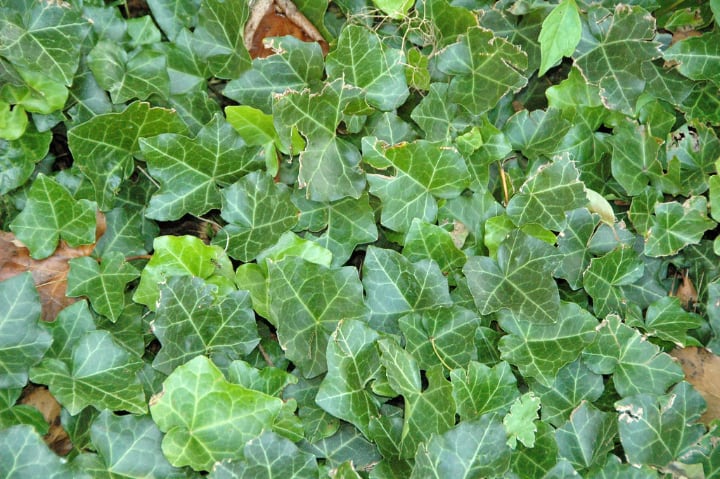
x=686 y=292
x=49 y=274
x=702 y=370
x=40 y=398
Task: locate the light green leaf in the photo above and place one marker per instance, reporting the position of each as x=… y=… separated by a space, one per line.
x=258 y=211
x=103 y=147
x=23 y=454
x=586 y=438
x=697 y=57
x=190 y=320
x=559 y=35
x=268 y=457
x=448 y=21
x=572 y=384
x=269 y=380
x=479 y=389
x=394 y=286
x=536 y=133
x=353 y=363
x=605 y=277
x=520 y=421
x=18 y=157
x=484 y=68
x=546 y=195
x=423 y=171
x=182 y=256
x=218 y=37
x=666 y=319
x=23 y=340
x=573 y=93
x=191 y=169
x=172 y=16
x=656 y=430
x=98 y=373
x=51 y=214
x=428 y=241
x=104 y=283
x=394 y=8
x=13 y=122
x=307 y=301
x=205 y=418
x=474 y=448
x=519 y=280
x=329 y=165
x=362 y=60
x=296 y=66
x=677 y=225
x=637 y=366
x=257 y=128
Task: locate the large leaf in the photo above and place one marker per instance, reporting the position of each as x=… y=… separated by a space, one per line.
x=205 y=418
x=697 y=57
x=191 y=169
x=23 y=341
x=676 y=225
x=635 y=161
x=24 y=454
x=586 y=438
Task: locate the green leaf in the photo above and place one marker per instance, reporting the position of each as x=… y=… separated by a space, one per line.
x=18 y=157
x=296 y=66
x=586 y=438
x=439 y=118
x=546 y=195
x=12 y=414
x=536 y=133
x=361 y=60
x=423 y=171
x=307 y=301
x=536 y=461
x=394 y=286
x=447 y=21
x=637 y=366
x=103 y=147
x=98 y=373
x=559 y=35
x=268 y=457
x=329 y=165
x=657 y=430
x=573 y=243
x=104 y=283
x=394 y=8
x=205 y=418
x=23 y=341
x=24 y=454
x=427 y=241
x=191 y=169
x=697 y=57
x=182 y=256
x=573 y=384
x=605 y=277
x=667 y=320
x=635 y=160
x=484 y=68
x=520 y=421
x=172 y=16
x=218 y=37
x=258 y=211
x=480 y=390
x=13 y=121
x=677 y=225
x=613 y=48
x=190 y=320
x=473 y=448
x=51 y=214
x=257 y=128
x=519 y=280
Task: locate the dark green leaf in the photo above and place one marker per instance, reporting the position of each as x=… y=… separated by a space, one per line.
x=480 y=390
x=536 y=133
x=573 y=384
x=697 y=57
x=586 y=438
x=18 y=158
x=677 y=225
x=426 y=241
x=667 y=320
x=605 y=277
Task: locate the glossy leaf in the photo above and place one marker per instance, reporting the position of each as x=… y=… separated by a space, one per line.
x=24 y=454
x=697 y=58
x=218 y=37
x=480 y=390
x=605 y=277
x=536 y=133
x=559 y=35
x=586 y=438
x=677 y=225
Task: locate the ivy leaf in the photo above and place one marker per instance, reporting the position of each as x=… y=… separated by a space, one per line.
x=426 y=241
x=613 y=48
x=605 y=277
x=190 y=169
x=473 y=448
x=18 y=158
x=484 y=68
x=635 y=160
x=307 y=301
x=104 y=283
x=205 y=418
x=172 y=16
x=586 y=438
x=545 y=196
x=637 y=366
x=437 y=115
x=559 y=35
x=519 y=280
x=676 y=225
x=697 y=57
x=573 y=384
x=573 y=243
x=190 y=321
x=103 y=147
x=296 y=66
x=24 y=454
x=657 y=430
x=536 y=133
x=23 y=341
x=218 y=37
x=258 y=211
x=423 y=171
x=667 y=320
x=99 y=373
x=479 y=389
x=361 y=60
x=329 y=164
x=51 y=214
x=520 y=421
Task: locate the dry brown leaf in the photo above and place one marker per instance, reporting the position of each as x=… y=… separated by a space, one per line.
x=277 y=18
x=49 y=274
x=702 y=370
x=686 y=292
x=40 y=398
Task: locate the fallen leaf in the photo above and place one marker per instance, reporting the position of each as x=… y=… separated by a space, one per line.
x=702 y=370
x=686 y=292
x=277 y=18
x=49 y=274
x=40 y=398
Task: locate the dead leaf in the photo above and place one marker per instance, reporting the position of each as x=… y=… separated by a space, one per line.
x=40 y=398
x=686 y=292
x=702 y=370
x=277 y=18
x=49 y=274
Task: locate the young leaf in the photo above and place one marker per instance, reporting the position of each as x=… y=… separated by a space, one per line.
x=520 y=421
x=559 y=35
x=205 y=418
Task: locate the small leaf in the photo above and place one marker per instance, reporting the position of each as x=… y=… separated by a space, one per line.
x=605 y=277
x=520 y=421
x=18 y=157
x=537 y=133
x=667 y=320
x=559 y=35
x=394 y=8
x=573 y=384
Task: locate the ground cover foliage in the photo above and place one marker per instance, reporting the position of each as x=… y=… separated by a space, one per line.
x=461 y=244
